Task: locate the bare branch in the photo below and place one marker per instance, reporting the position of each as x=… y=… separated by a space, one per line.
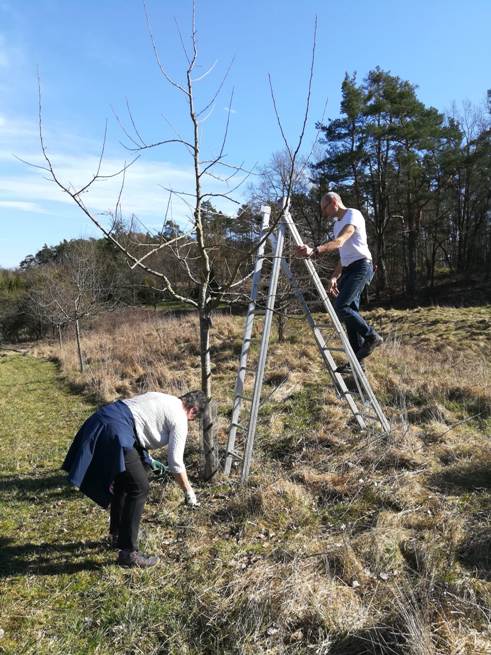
x=235 y=167
x=160 y=143
x=241 y=281
x=237 y=186
x=202 y=77
x=278 y=117
x=220 y=195
x=95 y=178
x=133 y=122
x=189 y=146
x=224 y=140
x=125 y=131
x=29 y=163
x=157 y=57
x=182 y=41
x=219 y=88
x=309 y=92
x=118 y=201
x=317 y=135
x=165 y=244
x=185 y=262
x=203 y=120
x=98 y=224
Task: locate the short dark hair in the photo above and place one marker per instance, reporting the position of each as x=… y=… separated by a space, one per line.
x=195 y=400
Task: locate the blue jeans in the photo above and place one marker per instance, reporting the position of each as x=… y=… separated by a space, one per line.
x=353 y=280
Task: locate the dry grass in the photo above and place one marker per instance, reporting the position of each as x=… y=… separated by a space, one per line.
x=343 y=542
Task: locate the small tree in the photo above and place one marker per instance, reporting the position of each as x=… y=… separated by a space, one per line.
x=70 y=289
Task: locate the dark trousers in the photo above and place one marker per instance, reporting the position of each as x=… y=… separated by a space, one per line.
x=130 y=492
x=353 y=280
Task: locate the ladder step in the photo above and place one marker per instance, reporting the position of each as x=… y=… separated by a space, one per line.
x=372 y=417
x=350 y=392
x=238 y=426
x=246 y=398
x=234 y=455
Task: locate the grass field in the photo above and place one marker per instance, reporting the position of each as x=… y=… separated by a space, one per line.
x=343 y=543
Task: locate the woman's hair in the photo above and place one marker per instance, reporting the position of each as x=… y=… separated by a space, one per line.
x=196 y=400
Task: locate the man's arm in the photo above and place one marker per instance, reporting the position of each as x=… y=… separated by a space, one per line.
x=335 y=244
x=332 y=286
x=329 y=246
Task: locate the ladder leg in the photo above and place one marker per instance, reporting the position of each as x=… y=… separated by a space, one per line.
x=246 y=341
x=268 y=317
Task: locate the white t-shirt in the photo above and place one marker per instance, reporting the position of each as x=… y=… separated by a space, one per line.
x=160 y=420
x=356 y=247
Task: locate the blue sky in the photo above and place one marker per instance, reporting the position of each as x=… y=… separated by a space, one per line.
x=93 y=56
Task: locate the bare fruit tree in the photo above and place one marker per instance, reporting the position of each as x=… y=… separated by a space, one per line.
x=67 y=291
x=196 y=251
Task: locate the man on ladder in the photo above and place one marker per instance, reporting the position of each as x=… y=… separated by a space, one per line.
x=352 y=273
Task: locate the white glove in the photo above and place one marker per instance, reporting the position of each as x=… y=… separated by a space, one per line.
x=190 y=498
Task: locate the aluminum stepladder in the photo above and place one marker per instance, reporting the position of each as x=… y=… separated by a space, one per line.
x=367 y=409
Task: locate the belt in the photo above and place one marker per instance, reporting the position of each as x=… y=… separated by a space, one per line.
x=357 y=261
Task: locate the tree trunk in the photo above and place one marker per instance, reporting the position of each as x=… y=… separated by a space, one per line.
x=381 y=277
x=80 y=357
x=280 y=323
x=411 y=260
x=60 y=337
x=209 y=445
x=210 y=452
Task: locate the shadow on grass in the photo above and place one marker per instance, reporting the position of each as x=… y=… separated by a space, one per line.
x=462 y=478
x=41 y=489
x=381 y=640
x=48 y=558
x=475 y=553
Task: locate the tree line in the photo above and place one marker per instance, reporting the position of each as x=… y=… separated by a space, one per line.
x=422 y=178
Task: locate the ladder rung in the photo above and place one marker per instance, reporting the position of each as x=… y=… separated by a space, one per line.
x=246 y=398
x=349 y=392
x=372 y=417
x=235 y=455
x=238 y=426
x=325 y=326
x=335 y=350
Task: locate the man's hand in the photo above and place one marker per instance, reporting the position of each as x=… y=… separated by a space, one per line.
x=332 y=287
x=190 y=498
x=304 y=251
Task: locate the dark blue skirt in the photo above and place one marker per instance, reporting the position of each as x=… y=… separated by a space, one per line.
x=96 y=455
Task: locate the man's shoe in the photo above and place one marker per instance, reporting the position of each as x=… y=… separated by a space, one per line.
x=371 y=342
x=346 y=367
x=135 y=559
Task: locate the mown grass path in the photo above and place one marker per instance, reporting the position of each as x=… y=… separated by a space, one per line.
x=48 y=532
x=60 y=590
